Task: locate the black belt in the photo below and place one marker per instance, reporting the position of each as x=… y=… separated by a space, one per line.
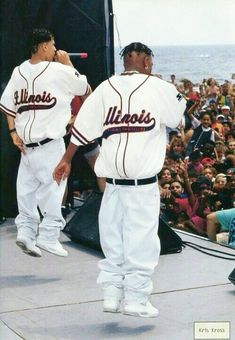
x=132 y=181
x=33 y=145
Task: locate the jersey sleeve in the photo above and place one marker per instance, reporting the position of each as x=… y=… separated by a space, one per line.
x=7 y=102
x=75 y=82
x=88 y=124
x=173 y=107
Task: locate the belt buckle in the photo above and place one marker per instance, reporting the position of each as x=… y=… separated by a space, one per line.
x=114 y=181
x=136 y=181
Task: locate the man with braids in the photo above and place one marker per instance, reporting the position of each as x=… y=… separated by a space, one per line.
x=130 y=111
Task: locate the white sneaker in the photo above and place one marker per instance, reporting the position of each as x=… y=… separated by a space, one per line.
x=52 y=247
x=28 y=246
x=112 y=298
x=111 y=305
x=139 y=309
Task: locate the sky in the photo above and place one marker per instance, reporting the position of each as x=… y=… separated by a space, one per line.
x=174 y=22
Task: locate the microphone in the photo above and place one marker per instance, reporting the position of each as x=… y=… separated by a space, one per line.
x=82 y=55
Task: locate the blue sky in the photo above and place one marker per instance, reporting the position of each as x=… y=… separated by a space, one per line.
x=174 y=22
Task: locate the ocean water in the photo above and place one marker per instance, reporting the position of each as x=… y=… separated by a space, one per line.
x=192 y=62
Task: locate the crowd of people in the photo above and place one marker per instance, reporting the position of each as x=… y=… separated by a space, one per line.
x=197 y=182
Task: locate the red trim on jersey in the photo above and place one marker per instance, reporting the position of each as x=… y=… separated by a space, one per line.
x=79 y=136
x=7 y=111
x=75 y=136
x=87 y=90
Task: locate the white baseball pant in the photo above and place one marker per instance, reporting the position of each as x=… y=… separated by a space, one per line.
x=128 y=223
x=36 y=187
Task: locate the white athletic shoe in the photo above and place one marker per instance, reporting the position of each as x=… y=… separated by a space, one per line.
x=139 y=309
x=28 y=246
x=52 y=247
x=111 y=305
x=112 y=298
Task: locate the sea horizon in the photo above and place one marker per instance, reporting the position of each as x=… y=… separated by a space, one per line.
x=180 y=45
x=195 y=62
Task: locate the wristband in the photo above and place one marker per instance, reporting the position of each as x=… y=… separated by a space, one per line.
x=12 y=130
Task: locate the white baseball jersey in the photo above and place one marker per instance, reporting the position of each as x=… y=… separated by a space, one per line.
x=131 y=113
x=38 y=96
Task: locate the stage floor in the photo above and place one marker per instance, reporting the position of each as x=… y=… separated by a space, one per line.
x=57 y=298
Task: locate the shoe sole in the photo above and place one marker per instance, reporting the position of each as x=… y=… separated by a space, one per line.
x=27 y=251
x=140 y=315
x=109 y=310
x=50 y=251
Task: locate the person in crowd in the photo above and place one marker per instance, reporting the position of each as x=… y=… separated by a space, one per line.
x=213 y=107
x=173 y=79
x=130 y=125
x=202 y=133
x=231 y=145
x=37 y=113
x=202 y=91
x=220 y=181
x=230 y=172
x=219 y=151
x=203 y=196
x=217 y=123
x=180 y=200
x=212 y=91
x=230 y=135
x=225 y=112
x=189 y=91
x=173 y=163
x=177 y=147
x=227 y=126
x=222 y=221
x=224 y=99
x=220 y=188
x=195 y=162
x=189 y=120
x=231 y=184
x=172 y=133
x=209 y=172
x=165 y=175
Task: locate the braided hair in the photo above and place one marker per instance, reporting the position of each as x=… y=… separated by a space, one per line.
x=137 y=47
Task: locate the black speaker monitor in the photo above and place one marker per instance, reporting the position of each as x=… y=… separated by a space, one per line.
x=83 y=227
x=232 y=276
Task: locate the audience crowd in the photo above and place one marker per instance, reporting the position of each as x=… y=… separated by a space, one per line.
x=197 y=182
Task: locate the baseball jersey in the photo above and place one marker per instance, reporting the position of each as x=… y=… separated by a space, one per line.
x=131 y=113
x=38 y=96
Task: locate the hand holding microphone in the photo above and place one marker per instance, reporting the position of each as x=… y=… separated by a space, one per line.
x=62 y=57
